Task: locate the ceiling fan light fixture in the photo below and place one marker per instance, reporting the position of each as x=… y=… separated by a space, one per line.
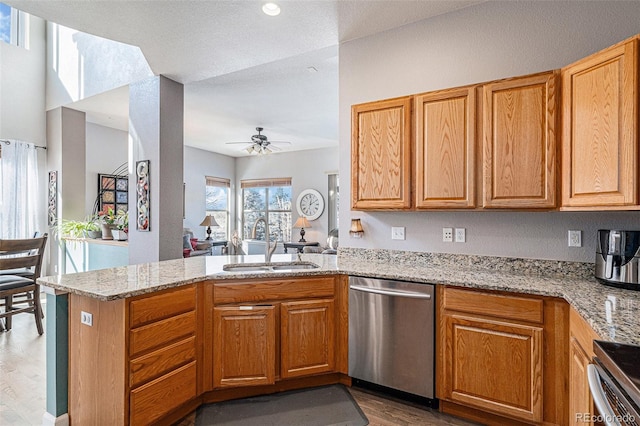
x=271 y=9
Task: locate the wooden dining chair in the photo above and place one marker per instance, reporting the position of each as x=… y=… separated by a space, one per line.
x=20 y=266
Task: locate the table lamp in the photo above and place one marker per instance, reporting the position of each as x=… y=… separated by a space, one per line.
x=302 y=223
x=209 y=221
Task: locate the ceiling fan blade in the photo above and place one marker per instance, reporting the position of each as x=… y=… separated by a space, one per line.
x=282 y=142
x=233 y=143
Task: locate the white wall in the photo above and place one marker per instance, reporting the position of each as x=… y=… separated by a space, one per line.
x=197 y=165
x=80 y=65
x=488 y=41
x=307 y=170
x=22 y=88
x=107 y=150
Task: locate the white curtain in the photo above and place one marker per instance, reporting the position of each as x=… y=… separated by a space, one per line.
x=18 y=189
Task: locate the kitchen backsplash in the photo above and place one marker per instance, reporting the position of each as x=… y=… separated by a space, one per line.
x=503 y=264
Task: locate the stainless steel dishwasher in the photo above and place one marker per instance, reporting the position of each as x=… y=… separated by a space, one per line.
x=391 y=334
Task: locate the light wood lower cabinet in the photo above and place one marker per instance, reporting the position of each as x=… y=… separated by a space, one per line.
x=495 y=365
x=581 y=337
x=138 y=362
x=245 y=349
x=307 y=339
x=274 y=330
x=501 y=357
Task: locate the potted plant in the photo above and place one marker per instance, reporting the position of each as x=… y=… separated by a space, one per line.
x=79 y=228
x=93 y=229
x=122 y=226
x=108 y=222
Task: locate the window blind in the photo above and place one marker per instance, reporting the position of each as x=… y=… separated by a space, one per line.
x=254 y=183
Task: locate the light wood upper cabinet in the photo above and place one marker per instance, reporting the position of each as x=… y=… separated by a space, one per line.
x=381 y=155
x=600 y=129
x=519 y=142
x=445 y=148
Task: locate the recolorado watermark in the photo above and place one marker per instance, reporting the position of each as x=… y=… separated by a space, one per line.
x=605 y=418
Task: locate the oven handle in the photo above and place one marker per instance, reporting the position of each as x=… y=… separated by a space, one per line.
x=599 y=398
x=397 y=293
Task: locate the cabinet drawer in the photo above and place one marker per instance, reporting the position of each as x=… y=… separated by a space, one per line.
x=157 y=398
x=162 y=332
x=162 y=361
x=149 y=309
x=495 y=305
x=252 y=291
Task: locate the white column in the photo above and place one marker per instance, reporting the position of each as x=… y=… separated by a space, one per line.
x=156 y=116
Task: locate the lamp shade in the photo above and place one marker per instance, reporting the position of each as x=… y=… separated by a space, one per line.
x=356 y=230
x=302 y=222
x=209 y=221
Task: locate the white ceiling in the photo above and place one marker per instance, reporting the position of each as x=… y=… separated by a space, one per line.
x=240 y=67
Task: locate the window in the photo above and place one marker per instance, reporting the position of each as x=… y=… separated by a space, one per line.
x=217 y=204
x=269 y=199
x=14 y=26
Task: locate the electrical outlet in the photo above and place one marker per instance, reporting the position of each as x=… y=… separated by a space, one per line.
x=397 y=232
x=447 y=235
x=575 y=238
x=461 y=235
x=86 y=318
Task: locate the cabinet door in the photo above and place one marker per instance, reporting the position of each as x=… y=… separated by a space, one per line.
x=519 y=142
x=381 y=155
x=494 y=365
x=243 y=346
x=445 y=148
x=580 y=402
x=600 y=116
x=307 y=337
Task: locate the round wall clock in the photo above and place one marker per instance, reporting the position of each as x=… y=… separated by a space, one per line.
x=310 y=204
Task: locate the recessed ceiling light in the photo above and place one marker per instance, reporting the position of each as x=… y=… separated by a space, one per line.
x=271 y=9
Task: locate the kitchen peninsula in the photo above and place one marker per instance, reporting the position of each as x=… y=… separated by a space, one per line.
x=180 y=305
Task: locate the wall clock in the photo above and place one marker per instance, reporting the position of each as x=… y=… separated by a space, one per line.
x=310 y=204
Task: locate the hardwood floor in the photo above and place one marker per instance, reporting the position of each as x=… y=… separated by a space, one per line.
x=22 y=373
x=23 y=387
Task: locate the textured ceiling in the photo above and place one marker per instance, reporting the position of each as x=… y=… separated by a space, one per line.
x=241 y=68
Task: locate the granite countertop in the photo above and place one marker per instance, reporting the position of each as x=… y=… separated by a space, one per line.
x=611 y=312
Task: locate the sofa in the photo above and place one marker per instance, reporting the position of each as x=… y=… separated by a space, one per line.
x=191 y=247
x=330 y=248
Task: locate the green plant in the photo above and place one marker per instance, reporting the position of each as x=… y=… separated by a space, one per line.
x=76 y=228
x=122 y=220
x=109 y=217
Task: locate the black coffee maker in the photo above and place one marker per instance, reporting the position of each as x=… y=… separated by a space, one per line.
x=617 y=258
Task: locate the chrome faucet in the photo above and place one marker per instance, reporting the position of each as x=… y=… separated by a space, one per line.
x=269 y=249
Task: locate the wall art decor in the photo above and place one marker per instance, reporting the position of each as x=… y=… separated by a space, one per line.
x=52 y=204
x=143 y=208
x=113 y=192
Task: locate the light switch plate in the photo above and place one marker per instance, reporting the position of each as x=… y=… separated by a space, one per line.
x=461 y=235
x=397 y=232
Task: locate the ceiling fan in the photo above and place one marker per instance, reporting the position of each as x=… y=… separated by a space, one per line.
x=259 y=144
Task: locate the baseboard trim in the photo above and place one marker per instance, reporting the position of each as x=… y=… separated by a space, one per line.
x=51 y=420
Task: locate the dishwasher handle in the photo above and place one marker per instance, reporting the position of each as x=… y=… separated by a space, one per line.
x=396 y=293
x=599 y=398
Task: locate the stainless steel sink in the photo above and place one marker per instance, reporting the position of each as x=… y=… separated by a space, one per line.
x=268 y=267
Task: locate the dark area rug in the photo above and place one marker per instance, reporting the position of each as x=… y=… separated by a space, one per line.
x=321 y=406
